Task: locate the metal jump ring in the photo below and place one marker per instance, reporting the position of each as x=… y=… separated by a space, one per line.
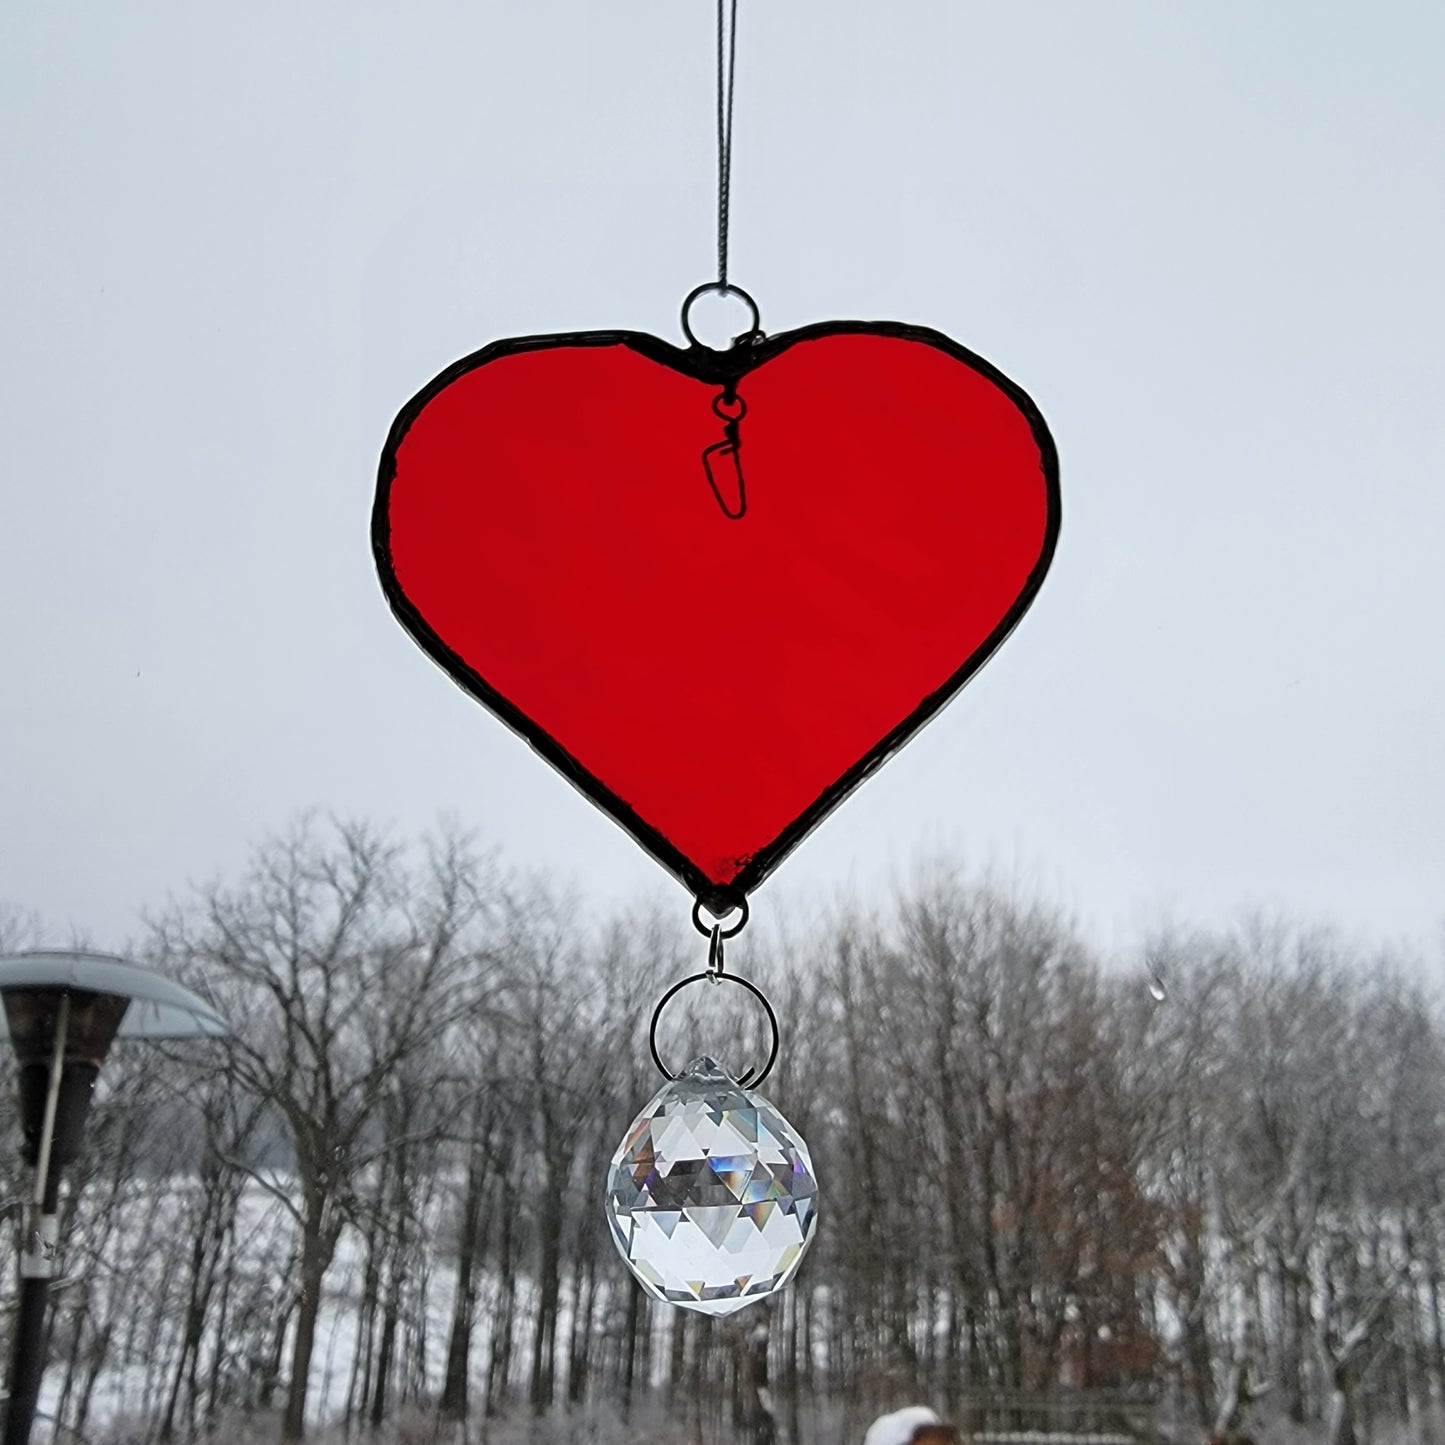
x=723 y=290
x=706 y=931
x=747 y=1080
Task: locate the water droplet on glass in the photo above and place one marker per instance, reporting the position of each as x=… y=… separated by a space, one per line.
x=711 y=1196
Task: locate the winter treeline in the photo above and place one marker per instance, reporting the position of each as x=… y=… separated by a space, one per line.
x=380 y=1203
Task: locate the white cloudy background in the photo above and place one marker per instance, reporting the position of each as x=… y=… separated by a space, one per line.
x=1206 y=238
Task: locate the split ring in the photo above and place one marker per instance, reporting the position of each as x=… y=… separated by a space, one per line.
x=747 y=1080
x=722 y=289
x=732 y=932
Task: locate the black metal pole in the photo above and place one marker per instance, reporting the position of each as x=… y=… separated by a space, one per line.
x=27 y=1363
x=37 y=1259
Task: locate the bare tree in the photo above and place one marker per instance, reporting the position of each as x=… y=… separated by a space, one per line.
x=1038 y=1181
x=339 y=965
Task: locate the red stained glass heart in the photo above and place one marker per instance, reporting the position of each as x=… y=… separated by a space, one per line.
x=716 y=589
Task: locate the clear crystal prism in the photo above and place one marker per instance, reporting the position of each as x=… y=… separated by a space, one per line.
x=711 y=1197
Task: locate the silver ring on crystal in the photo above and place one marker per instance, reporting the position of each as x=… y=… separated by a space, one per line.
x=747 y=1080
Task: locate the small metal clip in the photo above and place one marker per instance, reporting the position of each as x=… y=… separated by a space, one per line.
x=722 y=461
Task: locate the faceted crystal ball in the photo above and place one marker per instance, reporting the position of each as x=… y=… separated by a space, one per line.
x=711 y=1197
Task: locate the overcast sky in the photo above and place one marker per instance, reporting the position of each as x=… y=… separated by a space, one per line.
x=1207 y=239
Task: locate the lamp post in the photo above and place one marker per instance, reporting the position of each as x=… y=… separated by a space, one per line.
x=62 y=1011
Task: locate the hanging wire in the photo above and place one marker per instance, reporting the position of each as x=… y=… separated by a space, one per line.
x=727 y=49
